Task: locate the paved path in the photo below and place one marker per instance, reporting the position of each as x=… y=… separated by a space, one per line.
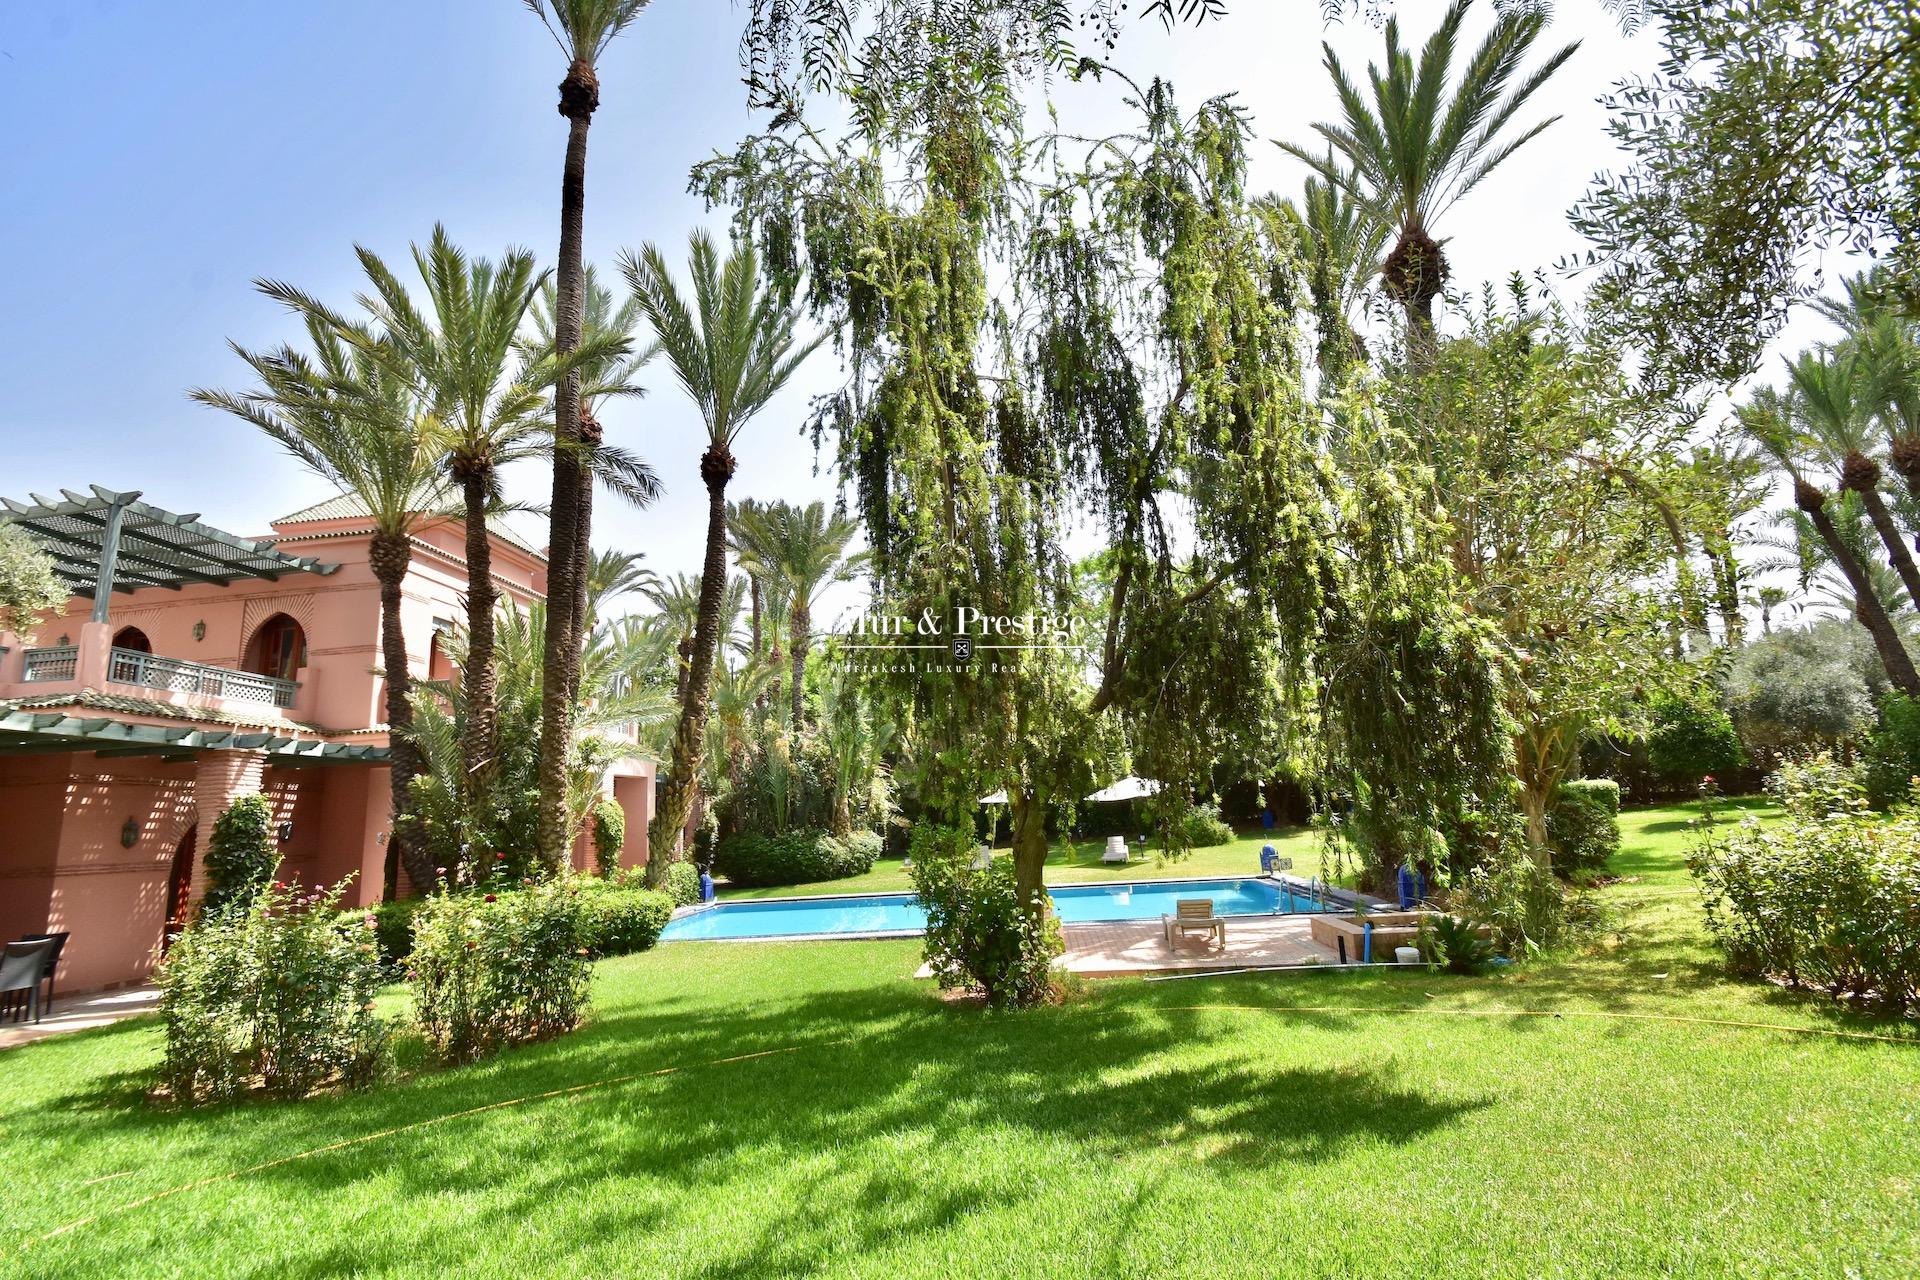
x=79 y=1013
x=1140 y=946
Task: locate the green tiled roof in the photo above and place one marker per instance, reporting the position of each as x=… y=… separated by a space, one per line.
x=27 y=731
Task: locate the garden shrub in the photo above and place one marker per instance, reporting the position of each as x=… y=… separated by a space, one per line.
x=1526 y=905
x=609 y=835
x=1828 y=897
x=1453 y=944
x=275 y=995
x=867 y=845
x=683 y=884
x=619 y=920
x=240 y=857
x=978 y=937
x=393 y=928
x=1202 y=827
x=1583 y=827
x=799 y=857
x=1892 y=756
x=1693 y=737
x=489 y=970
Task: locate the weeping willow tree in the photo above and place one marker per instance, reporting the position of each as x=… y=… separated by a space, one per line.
x=1050 y=333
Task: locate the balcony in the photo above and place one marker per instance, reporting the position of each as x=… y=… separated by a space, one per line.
x=130 y=666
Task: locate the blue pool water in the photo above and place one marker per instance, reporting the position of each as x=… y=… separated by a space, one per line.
x=901 y=913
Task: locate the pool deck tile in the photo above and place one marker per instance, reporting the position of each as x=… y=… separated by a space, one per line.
x=1108 y=950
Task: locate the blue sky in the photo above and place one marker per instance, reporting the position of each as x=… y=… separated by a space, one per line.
x=158 y=157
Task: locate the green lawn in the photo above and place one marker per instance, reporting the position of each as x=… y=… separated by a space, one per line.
x=1240 y=858
x=1320 y=1124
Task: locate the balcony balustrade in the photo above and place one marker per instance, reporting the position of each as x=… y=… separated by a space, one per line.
x=130 y=666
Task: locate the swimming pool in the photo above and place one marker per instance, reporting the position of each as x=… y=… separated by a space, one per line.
x=874 y=914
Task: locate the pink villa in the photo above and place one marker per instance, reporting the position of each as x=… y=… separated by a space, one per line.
x=192 y=667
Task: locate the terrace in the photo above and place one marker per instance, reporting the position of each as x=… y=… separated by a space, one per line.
x=107 y=544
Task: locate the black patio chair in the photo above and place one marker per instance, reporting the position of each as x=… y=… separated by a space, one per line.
x=23 y=967
x=59 y=941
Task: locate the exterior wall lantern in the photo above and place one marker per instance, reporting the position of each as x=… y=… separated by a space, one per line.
x=286 y=832
x=200 y=629
x=129 y=834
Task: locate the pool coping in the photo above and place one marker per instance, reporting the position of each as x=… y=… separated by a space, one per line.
x=1332 y=893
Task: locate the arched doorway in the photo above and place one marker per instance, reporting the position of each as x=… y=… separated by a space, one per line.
x=179 y=888
x=278 y=649
x=132 y=639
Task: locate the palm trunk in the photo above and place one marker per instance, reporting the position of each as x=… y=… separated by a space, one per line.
x=1862 y=475
x=478 y=736
x=578 y=624
x=1030 y=851
x=389 y=558
x=801 y=622
x=678 y=792
x=579 y=95
x=1867 y=606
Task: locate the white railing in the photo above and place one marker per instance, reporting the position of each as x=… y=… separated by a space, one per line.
x=129 y=666
x=57 y=663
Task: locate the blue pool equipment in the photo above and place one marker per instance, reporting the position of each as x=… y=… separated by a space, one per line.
x=1366 y=954
x=1409 y=888
x=1266 y=819
x=706 y=887
x=1267 y=855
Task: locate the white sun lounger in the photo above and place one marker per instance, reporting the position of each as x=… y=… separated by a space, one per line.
x=1116 y=850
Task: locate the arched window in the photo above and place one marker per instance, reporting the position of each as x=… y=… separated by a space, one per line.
x=278 y=649
x=132 y=639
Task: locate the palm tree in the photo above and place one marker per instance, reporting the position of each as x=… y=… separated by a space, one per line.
x=358 y=425
x=1833 y=406
x=583 y=29
x=801 y=549
x=1769 y=599
x=611 y=375
x=486 y=414
x=1769 y=418
x=612 y=574
x=1418 y=146
x=733 y=348
x=1342 y=244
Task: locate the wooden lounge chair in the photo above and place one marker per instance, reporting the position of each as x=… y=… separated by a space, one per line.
x=1194 y=915
x=1116 y=850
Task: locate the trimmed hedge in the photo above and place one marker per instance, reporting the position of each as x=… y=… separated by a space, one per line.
x=683 y=884
x=1583 y=827
x=620 y=921
x=800 y=857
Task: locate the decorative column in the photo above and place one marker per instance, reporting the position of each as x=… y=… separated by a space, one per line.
x=219 y=778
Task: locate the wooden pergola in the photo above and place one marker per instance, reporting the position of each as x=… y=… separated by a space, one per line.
x=103 y=541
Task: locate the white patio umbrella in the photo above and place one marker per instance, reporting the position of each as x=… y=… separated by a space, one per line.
x=998 y=797
x=1127 y=788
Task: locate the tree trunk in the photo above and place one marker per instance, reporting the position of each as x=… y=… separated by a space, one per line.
x=560 y=659
x=690 y=735
x=1030 y=851
x=1726 y=590
x=1867 y=606
x=389 y=558
x=801 y=623
x=754 y=601
x=477 y=748
x=1862 y=475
